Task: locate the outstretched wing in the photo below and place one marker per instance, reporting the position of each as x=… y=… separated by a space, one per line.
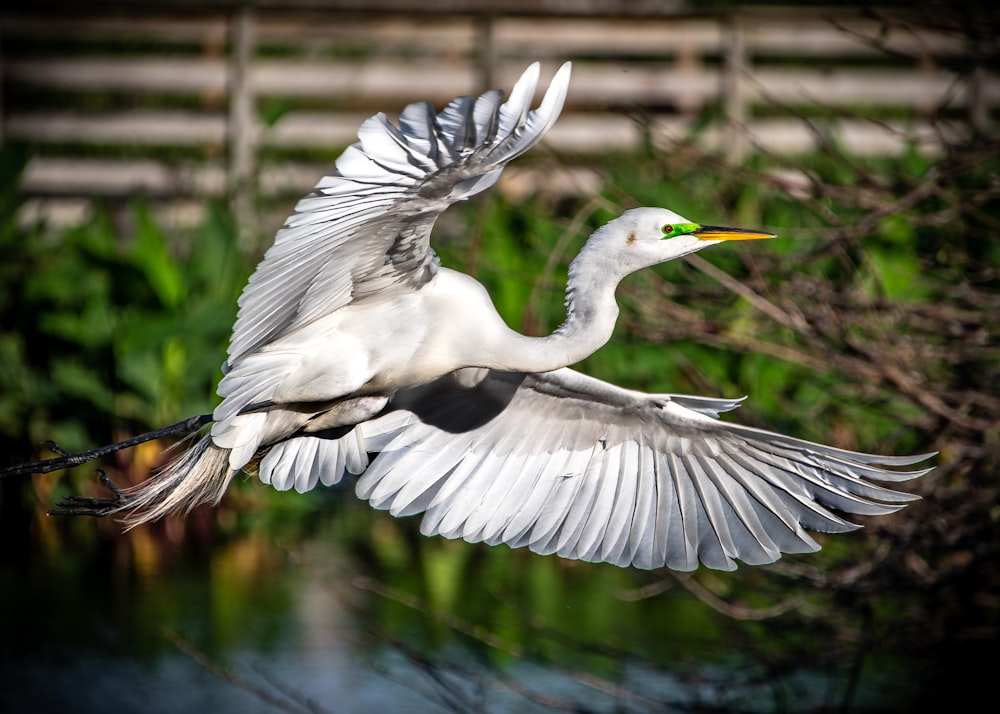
x=366 y=227
x=567 y=464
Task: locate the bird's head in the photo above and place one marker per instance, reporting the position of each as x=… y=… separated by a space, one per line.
x=647 y=236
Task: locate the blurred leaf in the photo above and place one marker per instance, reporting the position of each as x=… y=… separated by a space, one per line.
x=91 y=327
x=272 y=109
x=897 y=274
x=218 y=268
x=149 y=254
x=76 y=380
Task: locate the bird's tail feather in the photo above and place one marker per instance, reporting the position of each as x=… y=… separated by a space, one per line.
x=199 y=475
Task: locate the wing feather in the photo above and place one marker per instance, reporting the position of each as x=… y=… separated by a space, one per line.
x=500 y=465
x=622 y=512
x=666 y=528
x=464 y=488
x=392 y=183
x=796 y=499
x=403 y=484
x=533 y=501
x=305 y=468
x=495 y=509
x=546 y=527
x=355 y=452
x=753 y=540
x=498 y=528
x=685 y=554
x=599 y=518
x=446 y=510
x=570 y=465
x=483 y=514
x=714 y=541
x=331 y=462
x=580 y=508
x=276 y=466
x=821 y=483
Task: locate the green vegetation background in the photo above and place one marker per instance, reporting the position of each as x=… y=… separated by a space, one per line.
x=871 y=323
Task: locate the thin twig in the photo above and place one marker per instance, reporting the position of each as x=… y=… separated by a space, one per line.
x=476 y=633
x=794 y=320
x=283 y=702
x=735 y=610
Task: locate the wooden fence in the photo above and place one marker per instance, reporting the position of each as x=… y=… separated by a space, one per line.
x=184 y=106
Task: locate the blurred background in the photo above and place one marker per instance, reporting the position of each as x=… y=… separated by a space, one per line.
x=151 y=149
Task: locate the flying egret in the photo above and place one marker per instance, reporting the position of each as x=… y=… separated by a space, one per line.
x=352 y=341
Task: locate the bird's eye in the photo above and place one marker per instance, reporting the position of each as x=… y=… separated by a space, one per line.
x=667 y=229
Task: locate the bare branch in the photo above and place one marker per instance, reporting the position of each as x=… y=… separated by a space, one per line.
x=283 y=701
x=737 y=611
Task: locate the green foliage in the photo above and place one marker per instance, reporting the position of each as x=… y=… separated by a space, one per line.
x=105 y=327
x=870 y=323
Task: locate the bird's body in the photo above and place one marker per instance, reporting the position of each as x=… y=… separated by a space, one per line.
x=343 y=356
x=352 y=340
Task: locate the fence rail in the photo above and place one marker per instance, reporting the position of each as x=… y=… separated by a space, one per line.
x=104 y=98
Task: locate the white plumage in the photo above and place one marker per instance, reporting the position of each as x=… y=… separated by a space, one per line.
x=353 y=341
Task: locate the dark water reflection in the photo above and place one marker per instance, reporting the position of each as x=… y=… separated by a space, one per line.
x=361 y=615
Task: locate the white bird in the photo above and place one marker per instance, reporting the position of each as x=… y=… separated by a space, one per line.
x=352 y=340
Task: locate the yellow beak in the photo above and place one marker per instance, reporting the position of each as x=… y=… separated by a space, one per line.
x=722 y=233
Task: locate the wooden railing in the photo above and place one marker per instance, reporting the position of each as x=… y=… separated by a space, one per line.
x=188 y=106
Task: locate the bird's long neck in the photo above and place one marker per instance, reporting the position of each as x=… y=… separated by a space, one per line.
x=591 y=313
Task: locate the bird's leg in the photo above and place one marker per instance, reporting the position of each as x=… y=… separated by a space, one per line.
x=80 y=506
x=67 y=459
x=97 y=507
